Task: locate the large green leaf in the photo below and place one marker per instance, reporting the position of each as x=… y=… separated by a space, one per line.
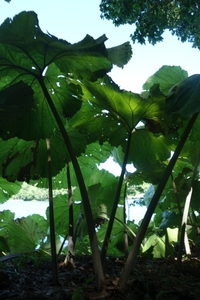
x=33 y=110
x=25 y=160
x=93 y=155
x=184 y=97
x=120 y=55
x=24 y=234
x=61 y=214
x=146 y=148
x=34 y=50
x=65 y=95
x=41 y=221
x=109 y=113
x=166 y=77
x=170 y=219
x=101 y=190
x=144 y=173
x=5 y=217
x=97 y=124
x=30 y=57
x=116 y=242
x=15 y=102
x=156 y=245
x=126 y=108
x=8 y=189
x=118 y=155
x=41 y=64
x=156 y=117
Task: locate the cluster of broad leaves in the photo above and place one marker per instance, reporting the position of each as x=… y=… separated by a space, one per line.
x=101 y=121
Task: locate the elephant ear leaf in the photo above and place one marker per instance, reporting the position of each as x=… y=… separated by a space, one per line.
x=24 y=234
x=8 y=189
x=166 y=77
x=184 y=97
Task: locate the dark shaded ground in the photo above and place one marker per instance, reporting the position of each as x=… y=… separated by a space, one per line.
x=157 y=279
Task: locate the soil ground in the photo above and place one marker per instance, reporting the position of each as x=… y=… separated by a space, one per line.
x=155 y=279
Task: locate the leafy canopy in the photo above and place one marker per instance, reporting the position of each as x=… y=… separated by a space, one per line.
x=100 y=120
x=151 y=18
x=35 y=65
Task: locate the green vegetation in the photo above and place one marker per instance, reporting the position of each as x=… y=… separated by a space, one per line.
x=61 y=116
x=151 y=18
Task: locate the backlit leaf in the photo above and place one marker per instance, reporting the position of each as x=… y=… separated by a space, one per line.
x=166 y=77
x=24 y=234
x=8 y=189
x=25 y=160
x=147 y=148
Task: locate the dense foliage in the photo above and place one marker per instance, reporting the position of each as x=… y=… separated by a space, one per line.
x=151 y=18
x=61 y=116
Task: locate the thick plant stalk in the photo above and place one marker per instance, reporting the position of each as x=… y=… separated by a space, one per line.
x=51 y=218
x=70 y=252
x=98 y=269
x=143 y=227
x=124 y=220
x=72 y=233
x=184 y=237
x=116 y=201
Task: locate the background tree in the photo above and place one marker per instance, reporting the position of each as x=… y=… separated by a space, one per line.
x=151 y=18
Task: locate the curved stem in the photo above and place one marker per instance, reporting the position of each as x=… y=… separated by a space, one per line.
x=145 y=222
